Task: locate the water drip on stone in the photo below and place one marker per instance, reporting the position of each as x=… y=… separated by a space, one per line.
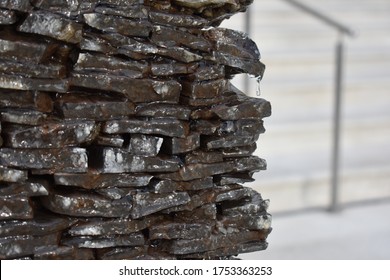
x=258 y=86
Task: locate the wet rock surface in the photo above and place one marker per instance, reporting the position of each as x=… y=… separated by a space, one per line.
x=121 y=136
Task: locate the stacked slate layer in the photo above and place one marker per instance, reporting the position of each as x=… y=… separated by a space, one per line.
x=121 y=134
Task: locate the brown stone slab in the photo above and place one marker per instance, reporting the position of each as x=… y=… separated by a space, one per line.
x=22 y=50
x=93 y=242
x=41 y=224
x=182 y=20
x=137 y=90
x=80 y=204
x=27 y=189
x=145 y=145
x=39 y=84
x=127 y=27
x=25 y=245
x=172 y=68
x=52 y=25
x=39 y=101
x=52 y=160
x=32 y=70
x=7 y=17
x=111 y=160
x=52 y=134
x=161 y=110
x=179 y=231
x=15 y=207
x=149 y=203
x=88 y=62
x=113 y=226
x=157 y=126
x=200 y=156
x=12 y=175
x=28 y=117
x=205 y=89
x=176 y=146
x=93 y=179
x=93 y=107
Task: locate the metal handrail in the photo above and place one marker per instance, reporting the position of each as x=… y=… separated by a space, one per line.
x=338 y=87
x=322 y=17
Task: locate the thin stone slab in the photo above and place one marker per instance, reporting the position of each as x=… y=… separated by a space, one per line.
x=113 y=226
x=176 y=146
x=52 y=25
x=41 y=224
x=236 y=178
x=145 y=145
x=182 y=246
x=199 y=156
x=206 y=213
x=179 y=231
x=39 y=84
x=163 y=186
x=88 y=62
x=233 y=250
x=197 y=185
x=137 y=90
x=205 y=89
x=242 y=127
x=77 y=204
x=249 y=108
x=243 y=151
x=134 y=11
x=231 y=193
x=15 y=207
x=149 y=203
x=27 y=189
x=182 y=20
x=93 y=242
x=93 y=179
x=171 y=68
x=51 y=160
x=27 y=117
x=25 y=245
x=228 y=141
x=168 y=37
x=157 y=126
x=208 y=71
x=116 y=192
x=161 y=110
x=127 y=27
x=199 y=170
x=31 y=70
x=111 y=160
x=52 y=134
x=12 y=175
x=116 y=141
x=93 y=107
x=22 y=50
x=34 y=100
x=7 y=17
x=249 y=164
x=259 y=222
x=18 y=5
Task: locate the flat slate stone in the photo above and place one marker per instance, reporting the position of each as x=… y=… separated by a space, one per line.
x=93 y=179
x=32 y=70
x=161 y=110
x=179 y=231
x=34 y=100
x=127 y=27
x=25 y=245
x=28 y=117
x=52 y=25
x=181 y=20
x=157 y=126
x=52 y=134
x=93 y=107
x=149 y=203
x=21 y=50
x=22 y=83
x=41 y=224
x=12 y=175
x=52 y=160
x=77 y=204
x=27 y=189
x=15 y=207
x=113 y=226
x=95 y=242
x=111 y=160
x=145 y=145
x=176 y=146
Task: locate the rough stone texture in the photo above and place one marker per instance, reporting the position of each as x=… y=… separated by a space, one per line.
x=121 y=136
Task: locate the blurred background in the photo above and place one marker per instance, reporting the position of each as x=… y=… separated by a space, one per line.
x=310 y=221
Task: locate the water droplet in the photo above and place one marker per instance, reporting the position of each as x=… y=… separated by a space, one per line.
x=258 y=89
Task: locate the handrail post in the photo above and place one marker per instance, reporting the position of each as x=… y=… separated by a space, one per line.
x=334 y=204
